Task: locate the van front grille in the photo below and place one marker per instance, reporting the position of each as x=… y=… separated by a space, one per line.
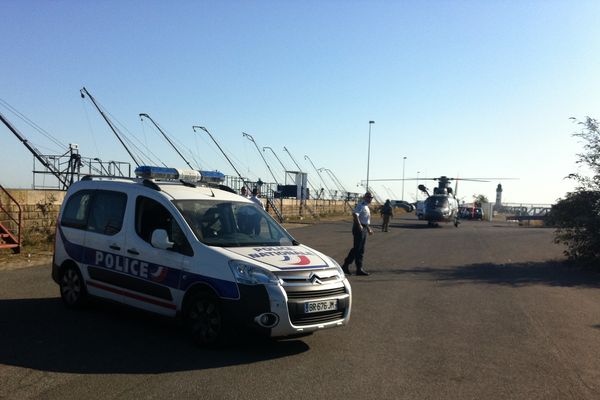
x=314 y=294
x=319 y=318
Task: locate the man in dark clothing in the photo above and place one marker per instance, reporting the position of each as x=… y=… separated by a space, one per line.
x=386 y=213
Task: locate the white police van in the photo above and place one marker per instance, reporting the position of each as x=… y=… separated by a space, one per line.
x=165 y=245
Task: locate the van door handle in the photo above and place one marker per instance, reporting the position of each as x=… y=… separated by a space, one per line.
x=133 y=251
x=114 y=247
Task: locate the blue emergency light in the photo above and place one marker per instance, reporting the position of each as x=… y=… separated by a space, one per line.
x=212 y=176
x=148 y=172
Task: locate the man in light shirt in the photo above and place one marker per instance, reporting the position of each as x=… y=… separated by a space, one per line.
x=360 y=229
x=254 y=198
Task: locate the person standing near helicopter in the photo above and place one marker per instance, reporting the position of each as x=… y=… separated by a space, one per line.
x=386 y=213
x=361 y=216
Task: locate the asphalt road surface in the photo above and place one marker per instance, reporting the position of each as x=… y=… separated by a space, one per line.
x=485 y=311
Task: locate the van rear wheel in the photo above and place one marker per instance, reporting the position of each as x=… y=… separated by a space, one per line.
x=72 y=288
x=204 y=319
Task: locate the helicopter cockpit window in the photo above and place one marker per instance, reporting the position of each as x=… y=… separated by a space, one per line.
x=436 y=202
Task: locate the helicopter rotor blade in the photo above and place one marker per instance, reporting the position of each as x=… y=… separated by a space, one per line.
x=487 y=179
x=400 y=179
x=444 y=178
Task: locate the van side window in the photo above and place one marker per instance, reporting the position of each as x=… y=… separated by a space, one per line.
x=107 y=211
x=151 y=215
x=76 y=210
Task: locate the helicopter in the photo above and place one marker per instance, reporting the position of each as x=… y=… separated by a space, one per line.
x=441 y=205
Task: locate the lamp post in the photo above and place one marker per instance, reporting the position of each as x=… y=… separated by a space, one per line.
x=403 y=163
x=369 y=153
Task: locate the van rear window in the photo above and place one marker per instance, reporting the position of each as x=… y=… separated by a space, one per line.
x=75 y=214
x=99 y=211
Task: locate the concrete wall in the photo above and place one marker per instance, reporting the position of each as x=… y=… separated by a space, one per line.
x=39 y=210
x=37 y=206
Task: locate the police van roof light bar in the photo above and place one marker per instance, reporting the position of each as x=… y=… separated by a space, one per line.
x=148 y=172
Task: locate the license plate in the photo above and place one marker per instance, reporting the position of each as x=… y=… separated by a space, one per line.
x=319 y=306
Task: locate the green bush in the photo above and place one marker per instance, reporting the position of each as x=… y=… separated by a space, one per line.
x=577 y=222
x=577 y=216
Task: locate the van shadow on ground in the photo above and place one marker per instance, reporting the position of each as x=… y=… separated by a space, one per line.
x=42 y=334
x=550 y=273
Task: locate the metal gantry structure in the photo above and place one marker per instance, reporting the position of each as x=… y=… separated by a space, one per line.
x=66 y=172
x=65 y=178
x=68 y=167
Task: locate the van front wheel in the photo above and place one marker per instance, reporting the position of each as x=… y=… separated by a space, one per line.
x=204 y=319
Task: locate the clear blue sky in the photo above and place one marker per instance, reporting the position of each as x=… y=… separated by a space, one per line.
x=467 y=88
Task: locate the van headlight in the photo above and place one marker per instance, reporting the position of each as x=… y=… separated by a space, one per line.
x=337 y=267
x=249 y=274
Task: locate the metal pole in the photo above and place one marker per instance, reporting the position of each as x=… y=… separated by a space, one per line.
x=337 y=188
x=225 y=155
x=334 y=180
x=300 y=170
x=36 y=154
x=290 y=154
x=282 y=166
x=249 y=137
x=318 y=173
x=403 y=163
x=167 y=138
x=369 y=153
x=84 y=93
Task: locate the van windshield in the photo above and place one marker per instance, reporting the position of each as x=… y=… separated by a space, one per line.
x=232 y=224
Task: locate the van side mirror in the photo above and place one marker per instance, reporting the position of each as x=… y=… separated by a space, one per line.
x=160 y=239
